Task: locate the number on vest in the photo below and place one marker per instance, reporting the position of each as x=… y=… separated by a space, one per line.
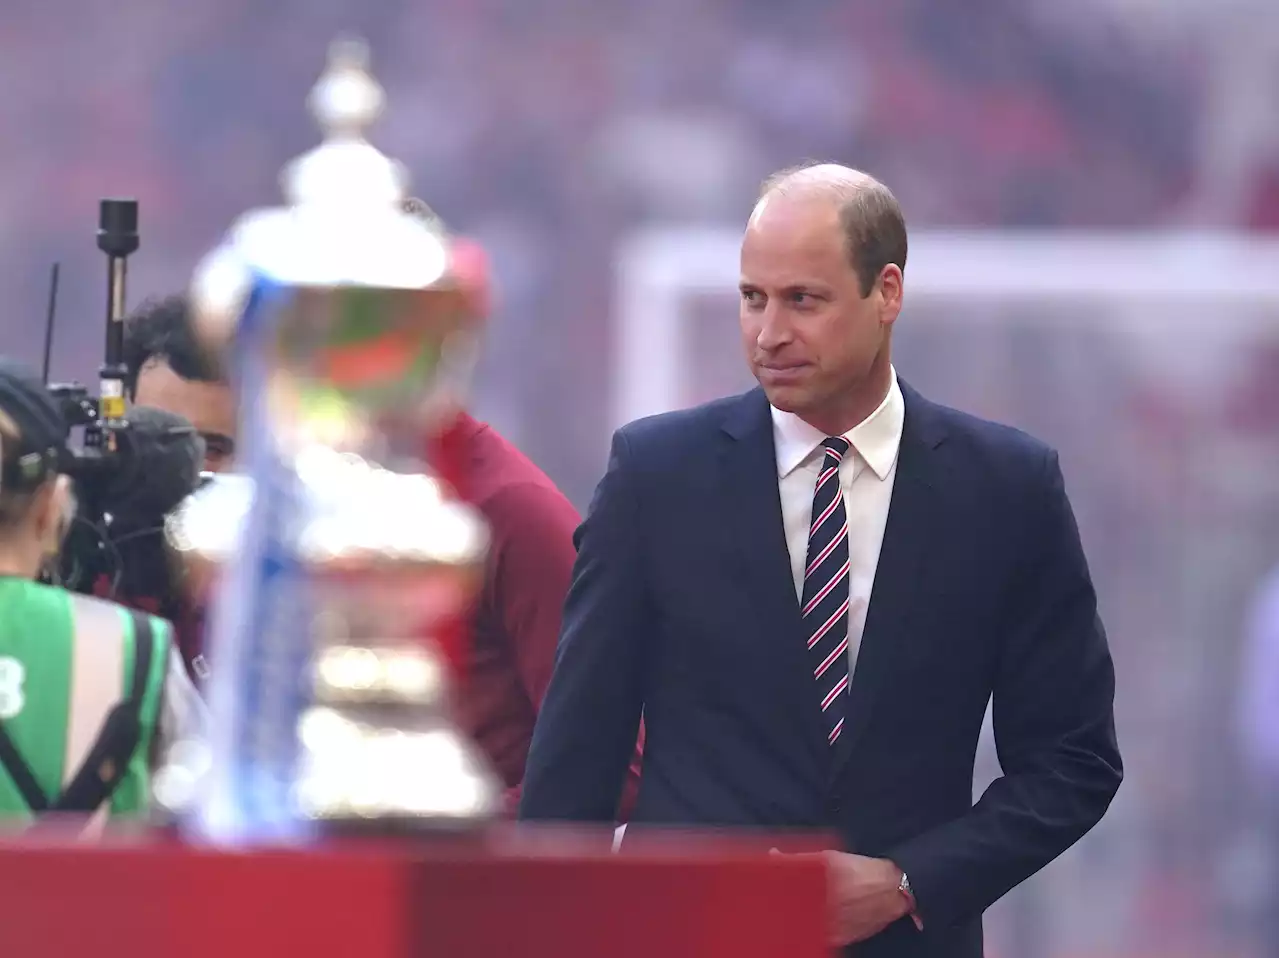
x=12 y=675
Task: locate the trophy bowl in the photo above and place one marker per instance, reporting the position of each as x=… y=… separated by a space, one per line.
x=341 y=561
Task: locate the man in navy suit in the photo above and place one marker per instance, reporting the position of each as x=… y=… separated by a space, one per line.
x=812 y=591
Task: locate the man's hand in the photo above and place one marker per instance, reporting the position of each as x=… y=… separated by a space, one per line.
x=862 y=896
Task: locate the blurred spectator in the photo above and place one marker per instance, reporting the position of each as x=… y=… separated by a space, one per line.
x=1258 y=714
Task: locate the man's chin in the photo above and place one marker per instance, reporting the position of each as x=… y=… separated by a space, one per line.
x=785 y=398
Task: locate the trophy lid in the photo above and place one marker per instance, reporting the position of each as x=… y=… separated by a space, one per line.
x=345 y=168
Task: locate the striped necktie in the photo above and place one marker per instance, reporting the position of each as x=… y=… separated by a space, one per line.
x=824 y=601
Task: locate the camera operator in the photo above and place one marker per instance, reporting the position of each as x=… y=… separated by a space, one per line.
x=167 y=370
x=89 y=692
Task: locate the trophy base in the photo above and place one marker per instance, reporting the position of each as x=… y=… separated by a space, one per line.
x=363 y=770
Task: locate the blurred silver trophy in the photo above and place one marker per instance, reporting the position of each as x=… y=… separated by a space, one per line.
x=341 y=561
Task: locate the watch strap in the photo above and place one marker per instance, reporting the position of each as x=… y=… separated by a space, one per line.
x=904 y=889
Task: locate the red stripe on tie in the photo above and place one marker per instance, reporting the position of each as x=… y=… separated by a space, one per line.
x=817 y=561
x=826 y=514
x=822 y=594
x=835 y=654
x=826 y=626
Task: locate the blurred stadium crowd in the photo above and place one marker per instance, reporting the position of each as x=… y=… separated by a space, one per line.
x=552 y=129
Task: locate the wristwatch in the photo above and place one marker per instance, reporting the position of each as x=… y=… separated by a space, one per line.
x=904 y=889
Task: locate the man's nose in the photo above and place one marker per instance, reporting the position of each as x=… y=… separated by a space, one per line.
x=775 y=331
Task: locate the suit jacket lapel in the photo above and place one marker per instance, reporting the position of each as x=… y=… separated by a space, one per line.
x=754 y=512
x=914 y=518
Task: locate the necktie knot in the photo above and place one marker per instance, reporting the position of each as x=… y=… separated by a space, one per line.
x=836 y=446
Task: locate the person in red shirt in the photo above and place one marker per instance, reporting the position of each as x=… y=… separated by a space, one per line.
x=516 y=626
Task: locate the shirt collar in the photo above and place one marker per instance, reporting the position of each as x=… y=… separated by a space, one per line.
x=876 y=438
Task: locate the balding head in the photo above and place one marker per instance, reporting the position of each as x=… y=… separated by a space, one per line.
x=871 y=221
x=822 y=179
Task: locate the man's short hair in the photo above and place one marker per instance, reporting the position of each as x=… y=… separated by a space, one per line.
x=161 y=329
x=874 y=228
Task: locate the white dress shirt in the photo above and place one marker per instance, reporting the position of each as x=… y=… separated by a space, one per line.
x=866 y=481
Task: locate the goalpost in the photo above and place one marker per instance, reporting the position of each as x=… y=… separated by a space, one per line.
x=659 y=270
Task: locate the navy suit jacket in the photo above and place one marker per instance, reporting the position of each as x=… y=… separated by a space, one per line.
x=683 y=606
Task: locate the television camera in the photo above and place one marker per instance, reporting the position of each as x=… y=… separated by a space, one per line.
x=130 y=466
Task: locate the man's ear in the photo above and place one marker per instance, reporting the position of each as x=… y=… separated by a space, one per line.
x=890 y=283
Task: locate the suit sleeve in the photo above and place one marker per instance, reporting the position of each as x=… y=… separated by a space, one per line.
x=1054 y=730
x=586 y=729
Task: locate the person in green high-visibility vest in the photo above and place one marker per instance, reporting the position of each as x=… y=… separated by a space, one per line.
x=90 y=692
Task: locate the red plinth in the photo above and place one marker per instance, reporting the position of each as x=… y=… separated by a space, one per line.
x=499 y=899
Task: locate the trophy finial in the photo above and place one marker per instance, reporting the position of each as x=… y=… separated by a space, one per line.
x=347 y=99
x=345 y=167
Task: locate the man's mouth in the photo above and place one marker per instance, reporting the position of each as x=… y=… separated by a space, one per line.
x=783 y=369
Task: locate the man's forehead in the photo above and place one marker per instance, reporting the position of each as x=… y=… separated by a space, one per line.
x=794 y=223
x=810 y=202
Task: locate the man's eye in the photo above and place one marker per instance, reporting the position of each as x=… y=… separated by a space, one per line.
x=752 y=297
x=220 y=447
